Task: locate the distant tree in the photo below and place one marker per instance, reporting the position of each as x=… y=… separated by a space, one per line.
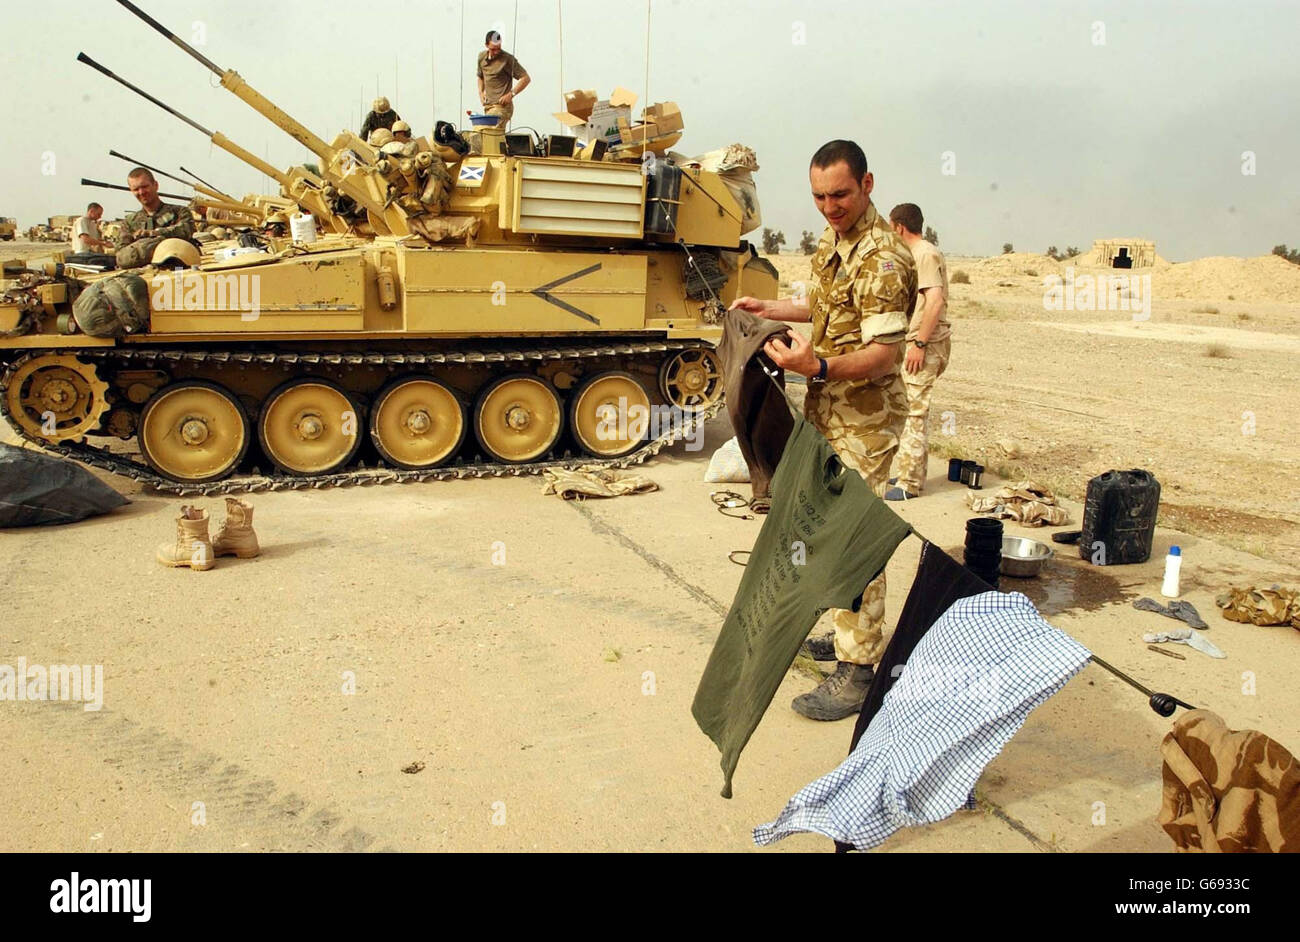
x=1054 y=253
x=313 y=168
x=807 y=243
x=931 y=236
x=772 y=241
x=1006 y=248
x=1291 y=255
x=1071 y=251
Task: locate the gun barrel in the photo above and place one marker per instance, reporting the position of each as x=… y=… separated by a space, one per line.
x=115 y=186
x=141 y=163
x=230 y=147
x=82 y=57
x=235 y=206
x=203 y=181
x=231 y=80
x=184 y=46
x=215 y=136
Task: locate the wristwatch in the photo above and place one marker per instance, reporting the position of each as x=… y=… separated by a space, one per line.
x=920 y=344
x=820 y=376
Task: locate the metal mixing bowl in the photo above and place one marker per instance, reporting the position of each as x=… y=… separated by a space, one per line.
x=1022 y=558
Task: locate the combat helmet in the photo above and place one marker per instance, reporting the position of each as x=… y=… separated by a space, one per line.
x=381 y=106
x=176 y=250
x=400 y=126
x=379 y=137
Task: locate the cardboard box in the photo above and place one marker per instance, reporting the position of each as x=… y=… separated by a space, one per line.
x=578 y=103
x=665 y=116
x=591 y=120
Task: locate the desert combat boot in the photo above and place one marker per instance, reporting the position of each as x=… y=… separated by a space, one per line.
x=236 y=536
x=840 y=695
x=192 y=547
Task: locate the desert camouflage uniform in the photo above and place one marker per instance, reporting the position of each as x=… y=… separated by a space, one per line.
x=169 y=222
x=863 y=290
x=913 y=446
x=913 y=449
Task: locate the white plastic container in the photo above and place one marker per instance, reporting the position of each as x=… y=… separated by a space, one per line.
x=1173 y=566
x=224 y=255
x=303 y=228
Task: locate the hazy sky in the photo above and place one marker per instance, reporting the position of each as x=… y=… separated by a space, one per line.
x=1066 y=121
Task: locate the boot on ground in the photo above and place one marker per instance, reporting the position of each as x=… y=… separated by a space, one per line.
x=236 y=536
x=840 y=695
x=192 y=547
x=820 y=648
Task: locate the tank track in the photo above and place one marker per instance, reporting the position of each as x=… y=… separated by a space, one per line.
x=106 y=460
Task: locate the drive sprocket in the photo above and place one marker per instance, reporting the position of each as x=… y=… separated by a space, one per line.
x=55 y=397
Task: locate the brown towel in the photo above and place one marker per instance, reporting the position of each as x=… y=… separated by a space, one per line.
x=1228 y=791
x=594 y=481
x=759 y=413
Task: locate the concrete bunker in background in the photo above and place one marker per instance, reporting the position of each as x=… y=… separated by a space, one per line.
x=1124 y=253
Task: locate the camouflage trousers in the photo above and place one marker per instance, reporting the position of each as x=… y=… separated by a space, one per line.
x=864 y=432
x=138 y=254
x=913 y=446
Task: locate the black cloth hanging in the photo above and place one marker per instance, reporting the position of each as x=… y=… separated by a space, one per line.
x=758 y=409
x=940 y=581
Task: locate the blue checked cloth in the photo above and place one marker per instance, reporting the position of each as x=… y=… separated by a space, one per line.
x=968 y=687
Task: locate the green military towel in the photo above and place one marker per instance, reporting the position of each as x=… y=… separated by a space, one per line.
x=825 y=538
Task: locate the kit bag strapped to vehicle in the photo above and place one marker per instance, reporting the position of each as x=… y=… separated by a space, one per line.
x=114 y=307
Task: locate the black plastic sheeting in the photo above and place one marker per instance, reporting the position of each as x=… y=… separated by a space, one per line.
x=37 y=490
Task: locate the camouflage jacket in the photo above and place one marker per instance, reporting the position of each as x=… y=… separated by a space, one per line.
x=169 y=222
x=863 y=290
x=863 y=287
x=374 y=120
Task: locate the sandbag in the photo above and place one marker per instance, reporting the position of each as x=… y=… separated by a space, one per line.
x=727 y=466
x=114 y=307
x=37 y=489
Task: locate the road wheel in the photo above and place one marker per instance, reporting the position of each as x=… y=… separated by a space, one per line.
x=417 y=422
x=518 y=418
x=610 y=414
x=309 y=426
x=193 y=432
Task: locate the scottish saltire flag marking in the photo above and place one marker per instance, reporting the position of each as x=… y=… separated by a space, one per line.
x=471 y=173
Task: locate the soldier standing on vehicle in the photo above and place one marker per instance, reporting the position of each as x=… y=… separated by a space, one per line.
x=496 y=71
x=381 y=115
x=863 y=289
x=153 y=222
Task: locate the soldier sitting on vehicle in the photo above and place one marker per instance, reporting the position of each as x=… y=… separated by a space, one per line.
x=143 y=230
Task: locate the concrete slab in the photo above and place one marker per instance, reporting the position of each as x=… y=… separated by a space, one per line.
x=547 y=697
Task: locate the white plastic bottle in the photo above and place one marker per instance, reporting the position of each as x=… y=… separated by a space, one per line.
x=1173 y=564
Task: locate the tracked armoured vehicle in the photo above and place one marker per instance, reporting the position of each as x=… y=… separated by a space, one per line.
x=459 y=315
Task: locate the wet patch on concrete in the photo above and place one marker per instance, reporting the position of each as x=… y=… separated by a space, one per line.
x=1065 y=585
